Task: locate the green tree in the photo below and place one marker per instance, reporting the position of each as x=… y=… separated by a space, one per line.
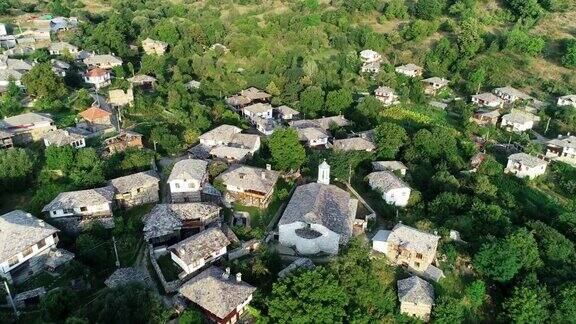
x=565 y=306
x=569 y=56
x=57 y=304
x=16 y=169
x=476 y=293
x=527 y=305
x=42 y=83
x=448 y=310
x=338 y=101
x=524 y=242
x=497 y=260
x=59 y=158
x=287 y=152
x=469 y=37
x=10 y=103
x=429 y=9
x=308 y=297
x=396 y=9
x=368 y=112
x=521 y=42
x=167 y=141
x=525 y=8
x=191 y=316
x=312 y=101
x=389 y=139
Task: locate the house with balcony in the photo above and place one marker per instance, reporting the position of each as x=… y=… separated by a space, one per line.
x=371 y=61
x=248 y=185
x=63 y=137
x=25 y=244
x=386 y=95
x=246 y=97
x=523 y=165
x=562 y=148
x=510 y=94
x=187 y=180
x=61 y=48
x=199 y=250
x=136 y=189
x=98 y=77
x=487 y=99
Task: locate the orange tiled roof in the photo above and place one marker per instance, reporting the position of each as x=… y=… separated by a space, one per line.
x=94 y=113
x=96 y=72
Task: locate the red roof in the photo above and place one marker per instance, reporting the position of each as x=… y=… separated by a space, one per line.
x=94 y=113
x=96 y=72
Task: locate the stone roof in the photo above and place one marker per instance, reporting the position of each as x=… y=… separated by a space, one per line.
x=512 y=92
x=520 y=117
x=25 y=120
x=311 y=133
x=154 y=42
x=164 y=219
x=385 y=181
x=102 y=59
x=527 y=160
x=250 y=178
x=200 y=246
x=248 y=141
x=20 y=230
x=388 y=165
x=58 y=257
x=194 y=84
x=258 y=108
x=568 y=141
x=354 y=144
x=142 y=78
x=327 y=205
x=436 y=80
x=135 y=181
x=215 y=293
x=488 y=97
x=413 y=239
x=368 y=54
x=253 y=93
x=222 y=133
x=61 y=137
x=383 y=91
x=120 y=97
x=188 y=169
x=60 y=46
x=81 y=198
x=124 y=276
x=32 y=293
x=415 y=290
x=297 y=264
x=325 y=122
x=227 y=152
x=408 y=67
x=285 y=110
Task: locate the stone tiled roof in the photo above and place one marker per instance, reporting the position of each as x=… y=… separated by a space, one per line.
x=311 y=133
x=222 y=133
x=253 y=93
x=248 y=141
x=142 y=78
x=520 y=117
x=409 y=67
x=527 y=160
x=102 y=59
x=383 y=91
x=19 y=230
x=285 y=110
x=227 y=152
x=164 y=219
x=61 y=137
x=250 y=178
x=388 y=165
x=201 y=245
x=512 y=92
x=354 y=144
x=436 y=80
x=81 y=198
x=135 y=181
x=124 y=276
x=385 y=181
x=60 y=46
x=258 y=108
x=25 y=120
x=326 y=122
x=413 y=239
x=59 y=257
x=488 y=97
x=219 y=295
x=565 y=141
x=316 y=203
x=188 y=169
x=415 y=290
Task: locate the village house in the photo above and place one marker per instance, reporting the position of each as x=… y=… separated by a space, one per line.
x=192 y=85
x=518 y=121
x=247 y=97
x=386 y=95
x=199 y=250
x=187 y=179
x=319 y=217
x=84 y=203
x=60 y=67
x=524 y=165
x=98 y=77
x=410 y=248
x=25 y=244
x=120 y=98
x=13 y=70
x=143 y=81
x=219 y=136
x=487 y=99
x=394 y=191
x=286 y=113
x=485 y=117
x=123 y=141
x=354 y=144
x=416 y=297
x=28 y=127
x=562 y=148
x=221 y=297
x=264 y=126
x=248 y=185
x=136 y=189
x=62 y=48
x=394 y=166
x=167 y=224
x=569 y=100
x=327 y=123
x=313 y=136
x=261 y=110
x=106 y=61
x=314 y=132
x=229 y=154
x=510 y=95
x=410 y=70
x=227 y=143
x=151 y=46
x=22 y=50
x=97 y=118
x=62 y=137
x=370 y=61
x=6 y=140
x=433 y=84
x=3 y=30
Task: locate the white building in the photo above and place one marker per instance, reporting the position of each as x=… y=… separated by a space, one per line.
x=519 y=121
x=221 y=135
x=98 y=77
x=394 y=191
x=487 y=99
x=510 y=94
x=410 y=70
x=569 y=100
x=390 y=165
x=3 y=31
x=433 y=84
x=386 y=95
x=84 y=203
x=286 y=113
x=562 y=148
x=524 y=165
x=370 y=61
x=151 y=46
x=187 y=180
x=262 y=110
x=25 y=244
x=319 y=217
x=61 y=48
x=61 y=137
x=199 y=250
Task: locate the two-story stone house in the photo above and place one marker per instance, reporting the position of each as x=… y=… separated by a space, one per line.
x=187 y=180
x=136 y=189
x=248 y=185
x=199 y=250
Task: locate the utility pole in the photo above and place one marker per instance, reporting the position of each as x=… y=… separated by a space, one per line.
x=547 y=125
x=116 y=252
x=154 y=142
x=16 y=313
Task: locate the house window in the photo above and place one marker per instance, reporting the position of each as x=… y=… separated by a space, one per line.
x=42 y=243
x=419 y=256
x=27 y=252
x=191 y=185
x=83 y=209
x=177 y=185
x=417 y=264
x=12 y=261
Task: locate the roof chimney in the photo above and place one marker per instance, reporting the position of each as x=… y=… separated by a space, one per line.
x=263 y=174
x=268 y=167
x=239 y=277
x=226 y=274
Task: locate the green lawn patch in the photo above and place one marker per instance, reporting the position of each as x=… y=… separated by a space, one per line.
x=169 y=269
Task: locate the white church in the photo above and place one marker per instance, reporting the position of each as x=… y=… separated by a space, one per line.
x=319 y=217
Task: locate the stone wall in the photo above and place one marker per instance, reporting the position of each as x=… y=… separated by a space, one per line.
x=169 y=286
